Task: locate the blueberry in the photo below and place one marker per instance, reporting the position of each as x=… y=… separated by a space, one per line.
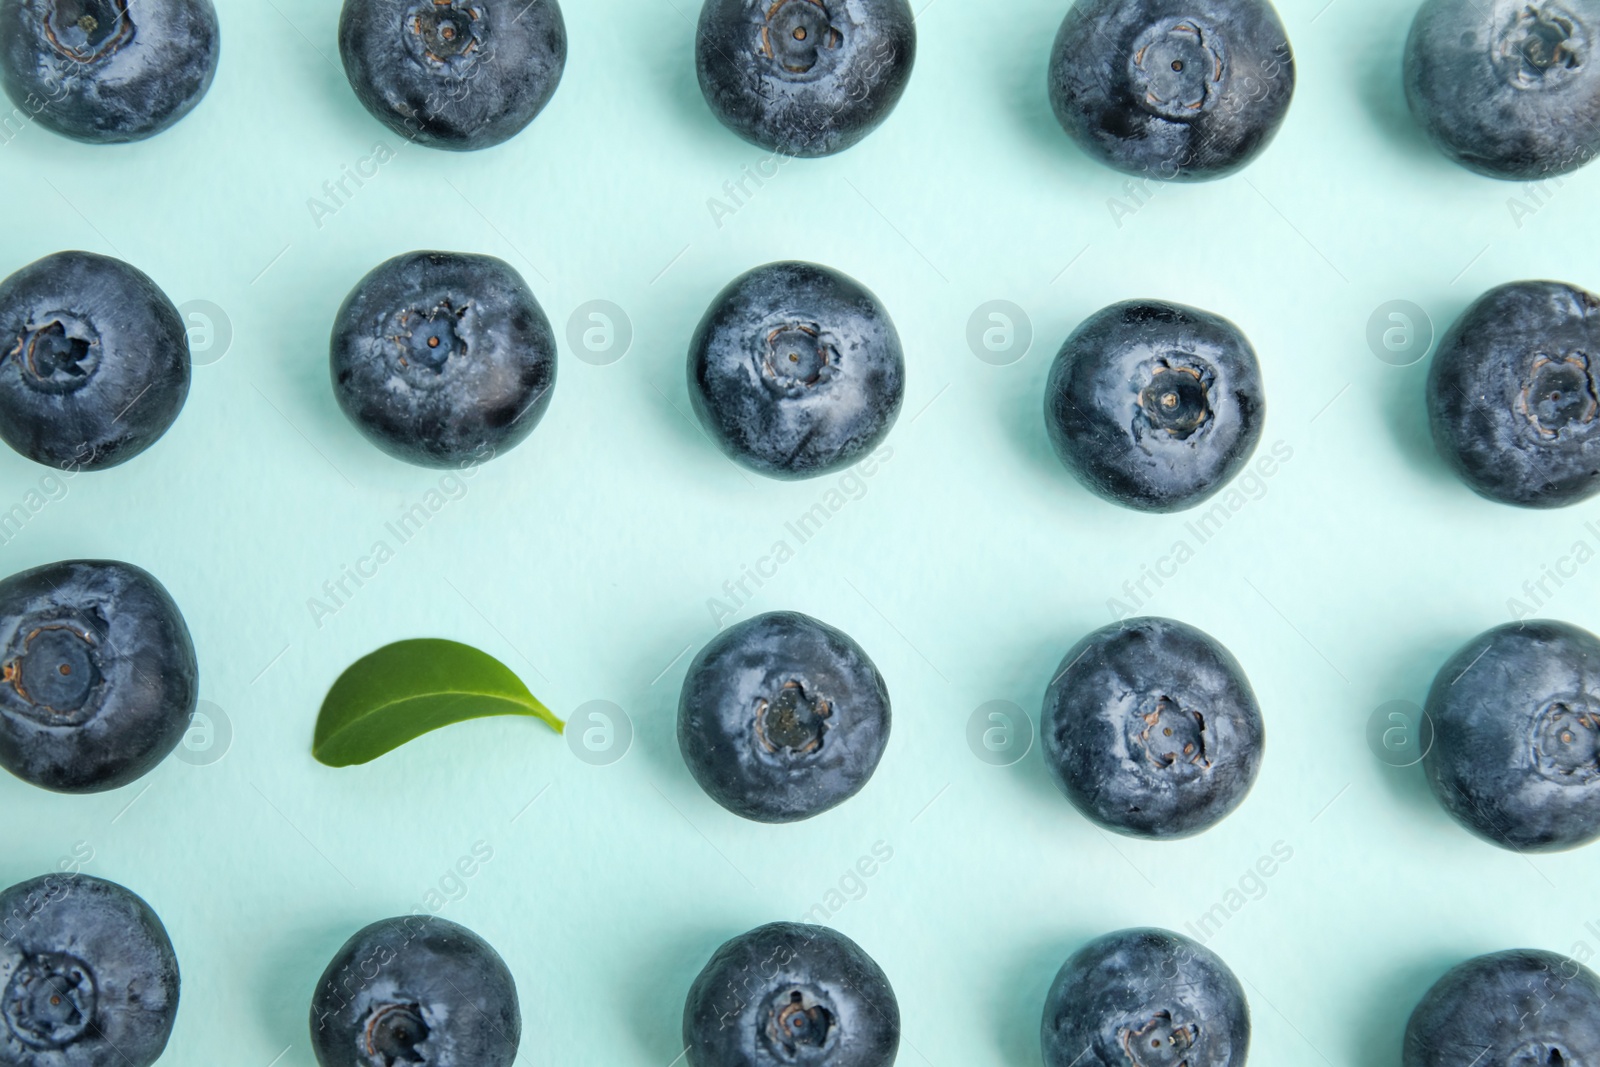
x=1155 y=406
x=1513 y=395
x=1509 y=90
x=99 y=677
x=796 y=370
x=416 y=989
x=790 y=993
x=107 y=71
x=782 y=717
x=455 y=74
x=1516 y=722
x=1151 y=729
x=1174 y=90
x=87 y=975
x=443 y=359
x=1520 y=1008
x=94 y=361
x=804 y=78
x=1145 y=998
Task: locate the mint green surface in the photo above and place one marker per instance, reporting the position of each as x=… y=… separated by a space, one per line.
x=965 y=565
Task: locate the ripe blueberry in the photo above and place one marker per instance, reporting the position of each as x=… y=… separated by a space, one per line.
x=87 y=976
x=1173 y=90
x=443 y=359
x=416 y=989
x=1155 y=406
x=94 y=361
x=782 y=717
x=455 y=74
x=98 y=679
x=1151 y=729
x=1516 y=750
x=1145 y=998
x=1519 y=1008
x=804 y=77
x=1514 y=397
x=790 y=993
x=1507 y=89
x=796 y=370
x=107 y=71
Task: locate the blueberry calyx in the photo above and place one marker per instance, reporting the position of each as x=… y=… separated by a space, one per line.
x=1540 y=46
x=1566 y=742
x=428 y=339
x=1176 y=401
x=797 y=1021
x=1559 y=393
x=393 y=1034
x=1177 y=68
x=794 y=724
x=798 y=357
x=1171 y=737
x=60 y=355
x=798 y=35
x=50 y=1000
x=55 y=672
x=1159 y=1042
x=87 y=30
x=447 y=33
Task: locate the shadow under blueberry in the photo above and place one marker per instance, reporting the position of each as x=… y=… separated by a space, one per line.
x=1389 y=1005
x=658 y=986
x=1380 y=84
x=1404 y=405
x=1022 y=415
x=1408 y=677
x=1019 y=1013
x=290 y=965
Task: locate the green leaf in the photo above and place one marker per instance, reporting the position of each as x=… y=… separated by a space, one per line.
x=409 y=688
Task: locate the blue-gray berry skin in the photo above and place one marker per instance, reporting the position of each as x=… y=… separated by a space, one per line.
x=1518 y=1008
x=1151 y=729
x=1514 y=395
x=796 y=371
x=782 y=717
x=1516 y=749
x=1173 y=90
x=88 y=977
x=94 y=361
x=416 y=989
x=454 y=74
x=790 y=993
x=804 y=78
x=99 y=675
x=1145 y=998
x=1508 y=88
x=107 y=71
x=1155 y=406
x=443 y=359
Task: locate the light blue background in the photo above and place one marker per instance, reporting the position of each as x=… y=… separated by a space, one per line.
x=585 y=558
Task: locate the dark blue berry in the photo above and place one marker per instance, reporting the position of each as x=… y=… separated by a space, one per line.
x=782 y=717
x=1520 y=1008
x=789 y=993
x=1510 y=90
x=1174 y=90
x=1516 y=724
x=107 y=71
x=796 y=370
x=455 y=74
x=1155 y=406
x=804 y=77
x=1514 y=397
x=88 y=977
x=416 y=989
x=1151 y=729
x=99 y=675
x=94 y=361
x=443 y=359
x=1145 y=998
